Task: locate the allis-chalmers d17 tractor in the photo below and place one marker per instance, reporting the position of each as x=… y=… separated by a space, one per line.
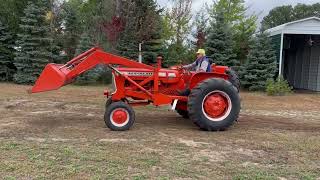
x=213 y=103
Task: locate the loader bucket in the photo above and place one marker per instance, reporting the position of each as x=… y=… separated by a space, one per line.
x=51 y=78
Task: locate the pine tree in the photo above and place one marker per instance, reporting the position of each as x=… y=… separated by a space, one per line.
x=261 y=63
x=128 y=45
x=90 y=76
x=6 y=54
x=220 y=44
x=151 y=50
x=142 y=24
x=33 y=45
x=84 y=44
x=243 y=25
x=153 y=46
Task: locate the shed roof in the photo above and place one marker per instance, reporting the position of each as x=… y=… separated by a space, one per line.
x=309 y=25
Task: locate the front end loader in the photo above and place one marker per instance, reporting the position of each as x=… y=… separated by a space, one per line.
x=213 y=102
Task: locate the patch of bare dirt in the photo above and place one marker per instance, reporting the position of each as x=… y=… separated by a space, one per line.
x=212 y=156
x=192 y=143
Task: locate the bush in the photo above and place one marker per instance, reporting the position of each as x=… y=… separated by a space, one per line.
x=280 y=87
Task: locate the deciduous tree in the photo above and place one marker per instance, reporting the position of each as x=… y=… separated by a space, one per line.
x=283 y=14
x=201 y=24
x=178 y=28
x=277 y=16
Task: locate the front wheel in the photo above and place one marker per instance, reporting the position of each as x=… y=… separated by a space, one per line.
x=214 y=105
x=119 y=116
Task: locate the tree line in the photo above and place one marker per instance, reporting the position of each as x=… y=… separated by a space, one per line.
x=34 y=33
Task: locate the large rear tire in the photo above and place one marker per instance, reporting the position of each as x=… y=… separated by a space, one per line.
x=119 y=116
x=214 y=105
x=108 y=102
x=234 y=78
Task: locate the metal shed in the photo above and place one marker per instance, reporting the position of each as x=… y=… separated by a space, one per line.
x=297 y=45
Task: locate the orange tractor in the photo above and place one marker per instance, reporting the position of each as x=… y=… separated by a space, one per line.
x=213 y=103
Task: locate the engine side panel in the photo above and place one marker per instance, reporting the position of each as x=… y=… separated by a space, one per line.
x=165 y=75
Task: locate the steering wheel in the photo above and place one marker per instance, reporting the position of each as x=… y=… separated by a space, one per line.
x=181 y=70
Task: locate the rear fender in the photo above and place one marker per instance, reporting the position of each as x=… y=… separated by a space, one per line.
x=219 y=69
x=199 y=77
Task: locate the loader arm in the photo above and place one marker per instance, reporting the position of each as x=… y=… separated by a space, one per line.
x=55 y=76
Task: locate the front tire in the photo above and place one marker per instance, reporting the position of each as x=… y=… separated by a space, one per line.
x=119 y=116
x=214 y=104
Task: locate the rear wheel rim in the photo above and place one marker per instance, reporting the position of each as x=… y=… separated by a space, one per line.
x=216 y=105
x=119 y=117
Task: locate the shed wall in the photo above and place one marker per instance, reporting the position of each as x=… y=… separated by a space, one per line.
x=302 y=63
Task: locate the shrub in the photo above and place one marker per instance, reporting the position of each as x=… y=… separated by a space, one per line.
x=279 y=87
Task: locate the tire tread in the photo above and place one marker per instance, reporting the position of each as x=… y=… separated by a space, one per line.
x=192 y=103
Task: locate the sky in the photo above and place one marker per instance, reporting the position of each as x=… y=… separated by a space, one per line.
x=259 y=7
